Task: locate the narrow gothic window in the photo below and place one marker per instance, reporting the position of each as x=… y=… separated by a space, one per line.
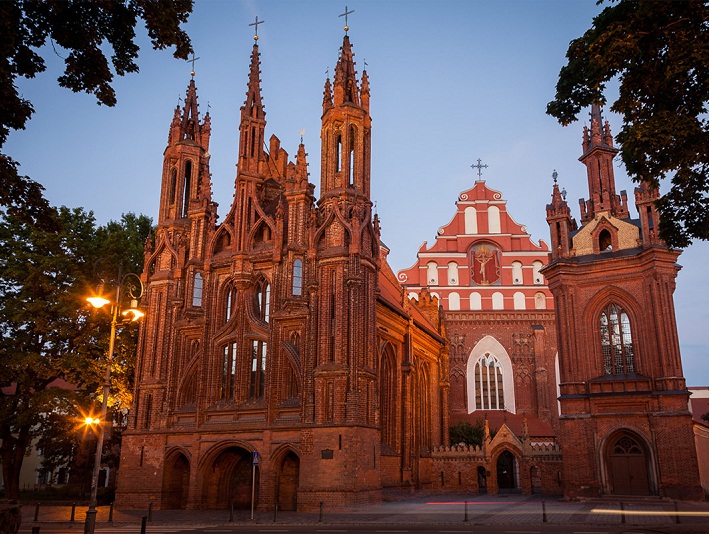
x=230 y=297
x=228 y=371
x=187 y=189
x=258 y=369
x=616 y=341
x=489 y=390
x=197 y=291
x=173 y=186
x=338 y=154
x=298 y=277
x=262 y=301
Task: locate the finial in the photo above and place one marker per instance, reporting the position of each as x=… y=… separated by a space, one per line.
x=302 y=133
x=365 y=64
x=555 y=175
x=563 y=194
x=327 y=72
x=479 y=166
x=192 y=61
x=375 y=207
x=208 y=106
x=255 y=25
x=347 y=28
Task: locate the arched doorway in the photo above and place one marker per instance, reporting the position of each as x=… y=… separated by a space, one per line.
x=176 y=482
x=229 y=480
x=288 y=482
x=627 y=463
x=535 y=474
x=506 y=473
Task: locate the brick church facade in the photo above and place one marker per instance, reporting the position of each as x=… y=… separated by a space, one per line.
x=282 y=360
x=280 y=357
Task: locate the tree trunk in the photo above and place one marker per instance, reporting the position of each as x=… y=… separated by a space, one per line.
x=13 y=454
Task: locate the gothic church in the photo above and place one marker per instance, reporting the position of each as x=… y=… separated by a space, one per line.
x=282 y=361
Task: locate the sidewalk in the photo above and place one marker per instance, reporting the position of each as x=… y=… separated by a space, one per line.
x=418 y=510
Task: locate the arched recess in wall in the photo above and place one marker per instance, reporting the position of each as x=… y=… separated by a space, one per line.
x=519 y=301
x=476 y=301
x=477 y=382
x=493 y=220
x=432 y=273
x=388 y=395
x=453 y=301
x=471 y=221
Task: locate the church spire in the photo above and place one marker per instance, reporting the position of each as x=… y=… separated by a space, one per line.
x=598 y=154
x=345 y=76
x=253 y=118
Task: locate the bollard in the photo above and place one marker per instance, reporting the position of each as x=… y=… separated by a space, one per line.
x=465 y=518
x=73 y=509
x=275 y=512
x=143 y=524
x=150 y=512
x=321 y=507
x=622 y=513
x=676 y=513
x=36 y=512
x=544 y=512
x=231 y=513
x=35 y=530
x=110 y=514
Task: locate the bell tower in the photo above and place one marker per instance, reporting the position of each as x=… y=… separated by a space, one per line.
x=625 y=427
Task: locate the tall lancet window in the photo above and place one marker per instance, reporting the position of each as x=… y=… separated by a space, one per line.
x=616 y=341
x=262 y=301
x=298 y=277
x=489 y=390
x=187 y=188
x=197 y=290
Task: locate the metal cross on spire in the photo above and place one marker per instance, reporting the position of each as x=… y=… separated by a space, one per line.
x=347 y=28
x=192 y=61
x=479 y=166
x=255 y=25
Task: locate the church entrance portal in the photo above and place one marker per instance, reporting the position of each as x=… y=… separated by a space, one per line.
x=230 y=481
x=507 y=473
x=176 y=483
x=288 y=482
x=627 y=466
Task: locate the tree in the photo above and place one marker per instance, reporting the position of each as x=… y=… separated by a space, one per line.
x=52 y=346
x=465 y=432
x=85 y=31
x=659 y=53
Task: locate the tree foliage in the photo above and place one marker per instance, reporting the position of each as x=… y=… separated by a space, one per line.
x=85 y=32
x=659 y=53
x=52 y=345
x=467 y=433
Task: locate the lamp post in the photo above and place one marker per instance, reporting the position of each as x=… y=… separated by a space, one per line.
x=134 y=288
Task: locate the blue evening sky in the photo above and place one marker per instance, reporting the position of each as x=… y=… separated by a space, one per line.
x=451 y=81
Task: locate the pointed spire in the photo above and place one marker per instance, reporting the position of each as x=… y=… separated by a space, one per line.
x=364 y=92
x=253 y=106
x=189 y=127
x=327 y=95
x=345 y=75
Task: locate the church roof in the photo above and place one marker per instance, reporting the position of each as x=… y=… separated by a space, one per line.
x=536 y=427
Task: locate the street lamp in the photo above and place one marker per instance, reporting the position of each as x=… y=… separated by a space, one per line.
x=134 y=289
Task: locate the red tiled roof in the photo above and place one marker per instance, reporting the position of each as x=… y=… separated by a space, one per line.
x=536 y=427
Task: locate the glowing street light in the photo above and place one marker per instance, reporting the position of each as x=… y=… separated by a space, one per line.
x=134 y=288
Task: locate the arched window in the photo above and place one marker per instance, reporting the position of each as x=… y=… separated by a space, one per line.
x=540 y=301
x=471 y=221
x=517 y=278
x=498 y=301
x=493 y=220
x=173 y=186
x=536 y=267
x=228 y=371
x=489 y=387
x=476 y=301
x=432 y=273
x=453 y=273
x=262 y=301
x=453 y=301
x=197 y=290
x=258 y=369
x=187 y=190
x=519 y=301
x=298 y=277
x=616 y=341
x=229 y=302
x=605 y=243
